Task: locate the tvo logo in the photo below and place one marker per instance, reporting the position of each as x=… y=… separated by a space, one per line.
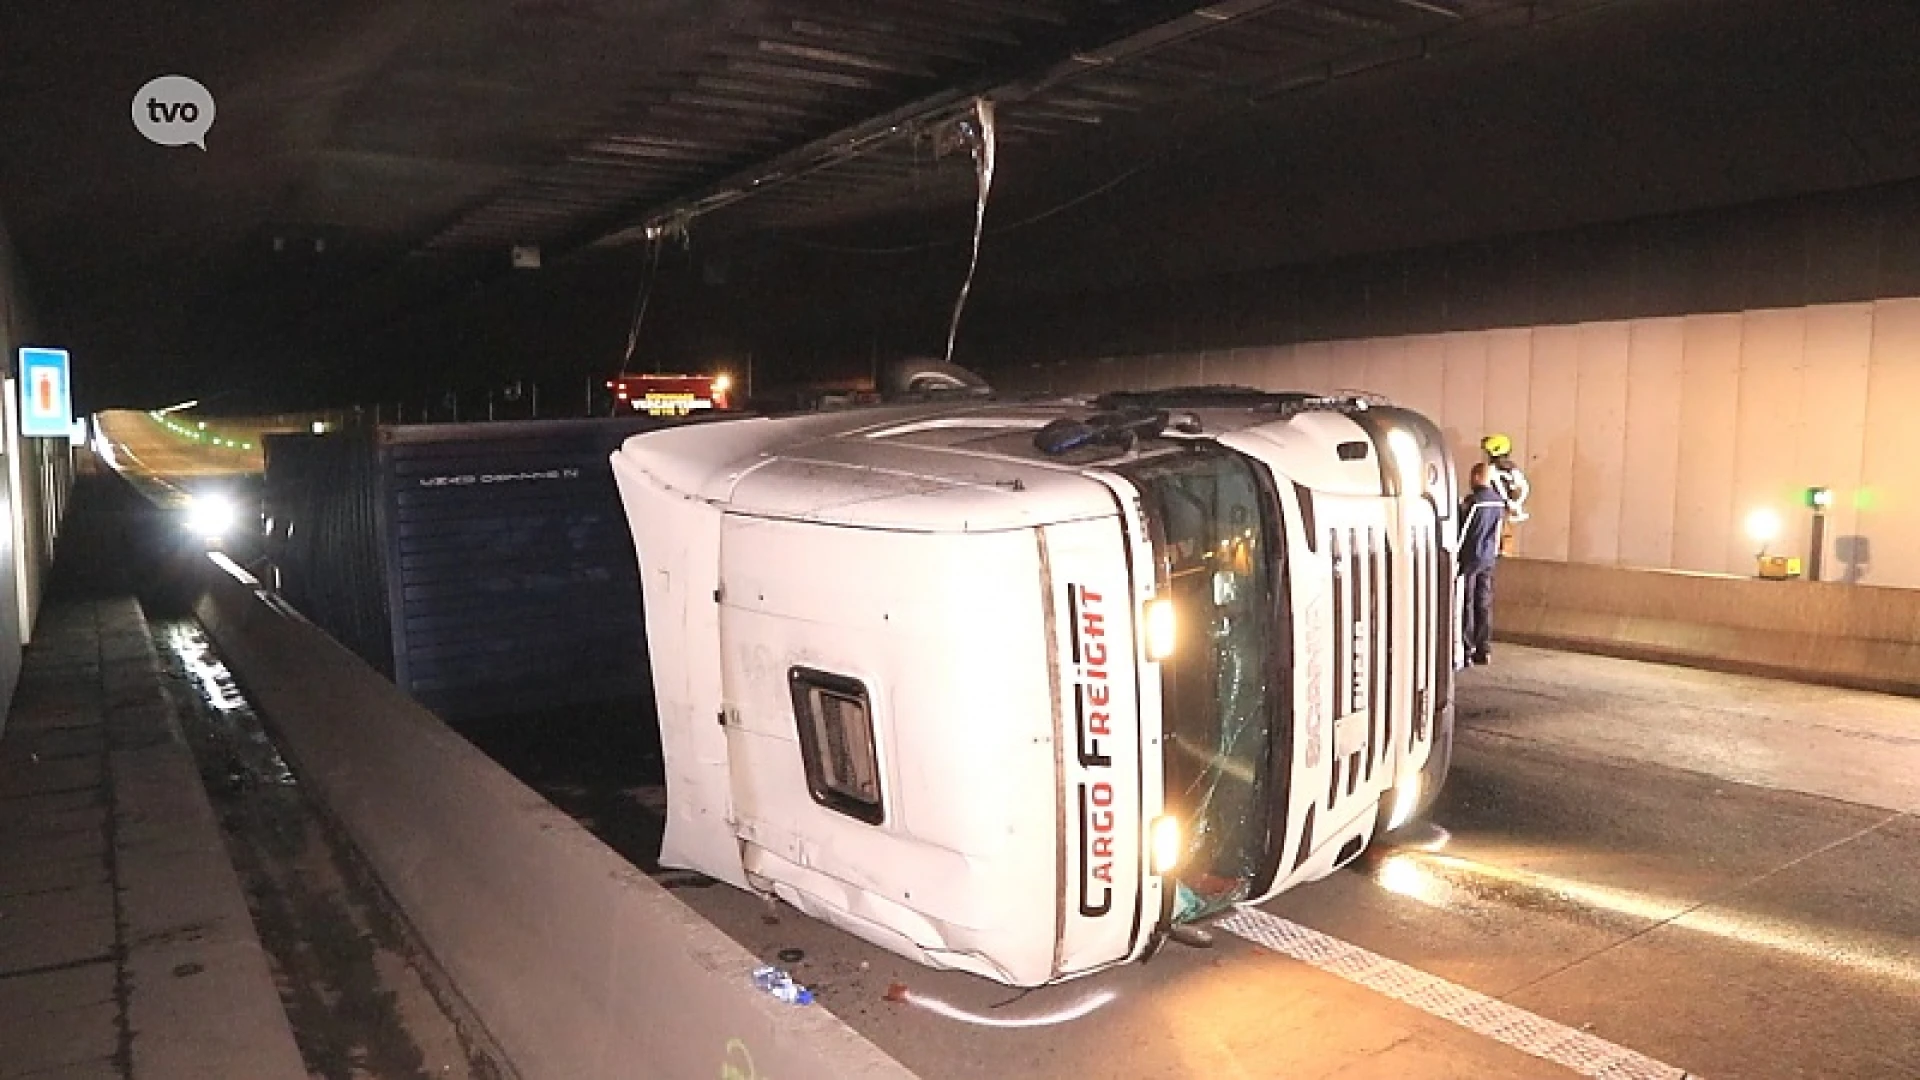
x=174 y=110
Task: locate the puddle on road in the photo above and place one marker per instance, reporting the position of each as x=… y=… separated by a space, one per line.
x=348 y=975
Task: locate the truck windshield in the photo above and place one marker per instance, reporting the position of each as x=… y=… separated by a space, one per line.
x=1216 y=548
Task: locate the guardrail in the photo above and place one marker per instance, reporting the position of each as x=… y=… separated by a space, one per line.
x=574 y=962
x=1855 y=636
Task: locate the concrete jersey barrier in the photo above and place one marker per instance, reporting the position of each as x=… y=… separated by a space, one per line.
x=576 y=963
x=1856 y=636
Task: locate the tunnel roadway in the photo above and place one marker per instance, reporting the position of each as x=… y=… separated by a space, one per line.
x=1635 y=870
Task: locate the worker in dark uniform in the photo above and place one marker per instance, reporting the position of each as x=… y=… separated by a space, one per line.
x=1482 y=513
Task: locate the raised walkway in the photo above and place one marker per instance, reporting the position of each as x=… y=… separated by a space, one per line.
x=126 y=948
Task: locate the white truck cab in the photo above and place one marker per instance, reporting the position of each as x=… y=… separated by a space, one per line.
x=1015 y=688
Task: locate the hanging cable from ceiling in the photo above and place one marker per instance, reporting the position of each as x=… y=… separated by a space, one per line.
x=998 y=230
x=978 y=131
x=655 y=241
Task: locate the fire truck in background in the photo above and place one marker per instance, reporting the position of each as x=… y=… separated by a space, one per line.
x=671 y=395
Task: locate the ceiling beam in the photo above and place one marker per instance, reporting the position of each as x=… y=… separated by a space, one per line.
x=1174 y=23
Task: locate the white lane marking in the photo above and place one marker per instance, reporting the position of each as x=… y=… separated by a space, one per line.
x=1548 y=1040
x=146 y=472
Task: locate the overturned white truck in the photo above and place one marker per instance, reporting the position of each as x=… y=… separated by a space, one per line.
x=1018 y=688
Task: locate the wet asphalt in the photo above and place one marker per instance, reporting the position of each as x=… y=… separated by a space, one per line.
x=1724 y=929
x=363 y=1001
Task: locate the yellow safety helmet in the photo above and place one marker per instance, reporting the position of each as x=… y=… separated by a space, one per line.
x=1497 y=445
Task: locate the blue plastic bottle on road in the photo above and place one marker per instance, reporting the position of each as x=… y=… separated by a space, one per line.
x=781 y=985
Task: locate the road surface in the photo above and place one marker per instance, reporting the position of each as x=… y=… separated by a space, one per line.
x=1637 y=871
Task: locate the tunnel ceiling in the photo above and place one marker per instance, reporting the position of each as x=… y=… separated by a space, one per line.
x=371 y=159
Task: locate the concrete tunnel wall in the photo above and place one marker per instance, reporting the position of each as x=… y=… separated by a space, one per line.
x=35 y=478
x=14 y=601
x=1648 y=441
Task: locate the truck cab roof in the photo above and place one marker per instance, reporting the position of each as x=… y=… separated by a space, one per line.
x=971 y=466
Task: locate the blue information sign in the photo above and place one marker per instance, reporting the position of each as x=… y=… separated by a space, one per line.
x=46 y=395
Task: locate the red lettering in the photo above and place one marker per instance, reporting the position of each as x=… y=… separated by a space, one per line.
x=1092 y=623
x=1097 y=693
x=1096 y=847
x=1088 y=595
x=1086 y=735
x=1097 y=658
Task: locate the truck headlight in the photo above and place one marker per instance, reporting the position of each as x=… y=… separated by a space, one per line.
x=1160 y=629
x=210 y=516
x=1168 y=843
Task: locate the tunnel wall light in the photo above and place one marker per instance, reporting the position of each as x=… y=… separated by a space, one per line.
x=1763 y=528
x=1818 y=500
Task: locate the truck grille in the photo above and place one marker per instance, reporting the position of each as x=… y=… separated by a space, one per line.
x=1432 y=586
x=1363 y=659
x=1420 y=548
